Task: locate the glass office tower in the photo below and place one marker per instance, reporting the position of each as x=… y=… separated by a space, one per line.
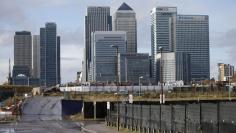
x=163 y=32
x=97 y=19
x=49 y=55
x=23 y=50
x=103 y=64
x=125 y=20
x=193 y=38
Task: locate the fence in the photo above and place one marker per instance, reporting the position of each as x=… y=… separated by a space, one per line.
x=219 y=117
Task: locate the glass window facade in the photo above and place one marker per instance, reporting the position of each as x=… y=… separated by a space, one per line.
x=103 y=64
x=193 y=38
x=49 y=55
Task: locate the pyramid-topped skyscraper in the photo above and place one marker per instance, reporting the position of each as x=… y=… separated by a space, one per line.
x=124 y=6
x=125 y=20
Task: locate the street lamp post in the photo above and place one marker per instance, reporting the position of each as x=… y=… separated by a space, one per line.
x=117 y=84
x=139 y=81
x=161 y=76
x=161 y=81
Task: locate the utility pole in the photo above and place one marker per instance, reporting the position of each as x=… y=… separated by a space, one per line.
x=117 y=85
x=161 y=75
x=161 y=82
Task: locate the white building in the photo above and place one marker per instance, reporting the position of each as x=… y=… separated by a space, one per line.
x=168 y=66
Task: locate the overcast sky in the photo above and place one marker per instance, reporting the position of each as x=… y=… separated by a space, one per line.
x=18 y=15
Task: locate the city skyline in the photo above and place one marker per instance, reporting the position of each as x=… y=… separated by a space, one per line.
x=72 y=37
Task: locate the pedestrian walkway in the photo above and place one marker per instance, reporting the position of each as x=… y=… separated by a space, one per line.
x=98 y=127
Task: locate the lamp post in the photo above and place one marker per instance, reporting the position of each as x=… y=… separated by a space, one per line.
x=117 y=84
x=161 y=76
x=161 y=81
x=139 y=81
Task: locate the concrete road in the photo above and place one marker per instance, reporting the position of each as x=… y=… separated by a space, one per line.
x=41 y=115
x=34 y=124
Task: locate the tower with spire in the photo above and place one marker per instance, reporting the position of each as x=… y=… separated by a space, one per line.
x=125 y=20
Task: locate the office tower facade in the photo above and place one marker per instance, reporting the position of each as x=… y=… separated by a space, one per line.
x=83 y=78
x=36 y=56
x=183 y=67
x=58 y=61
x=49 y=55
x=97 y=19
x=104 y=59
x=163 y=32
x=168 y=66
x=226 y=72
x=193 y=38
x=23 y=51
x=125 y=20
x=136 y=66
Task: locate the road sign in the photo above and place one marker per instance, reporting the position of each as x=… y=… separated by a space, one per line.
x=131 y=99
x=108 y=105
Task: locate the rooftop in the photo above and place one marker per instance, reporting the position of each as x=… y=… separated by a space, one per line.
x=124 y=6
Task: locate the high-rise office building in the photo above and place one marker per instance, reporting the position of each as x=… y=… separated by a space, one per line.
x=183 y=67
x=49 y=55
x=163 y=32
x=168 y=63
x=97 y=19
x=23 y=51
x=36 y=56
x=22 y=69
x=125 y=20
x=193 y=38
x=226 y=72
x=187 y=35
x=104 y=59
x=136 y=66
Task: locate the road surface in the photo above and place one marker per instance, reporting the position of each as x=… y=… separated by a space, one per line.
x=41 y=115
x=35 y=124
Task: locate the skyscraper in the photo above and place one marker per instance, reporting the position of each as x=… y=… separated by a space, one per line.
x=125 y=20
x=183 y=66
x=186 y=35
x=49 y=55
x=163 y=32
x=193 y=38
x=97 y=19
x=36 y=56
x=103 y=64
x=23 y=50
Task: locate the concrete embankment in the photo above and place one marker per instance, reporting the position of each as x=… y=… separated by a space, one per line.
x=45 y=108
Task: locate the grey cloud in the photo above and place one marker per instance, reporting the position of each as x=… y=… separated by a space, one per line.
x=225 y=43
x=72 y=37
x=11 y=13
x=226 y=40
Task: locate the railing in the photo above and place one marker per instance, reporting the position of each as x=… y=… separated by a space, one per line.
x=218 y=117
